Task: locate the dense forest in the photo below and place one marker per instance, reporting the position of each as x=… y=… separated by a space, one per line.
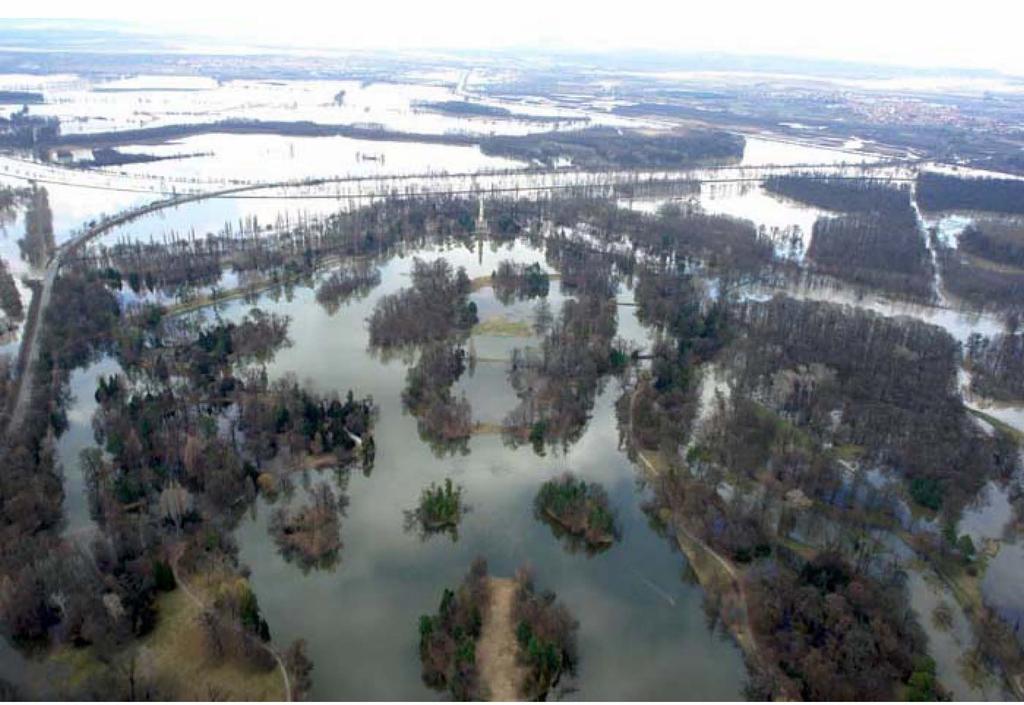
x=469 y=109
x=22 y=130
x=733 y=246
x=942 y=192
x=885 y=385
x=839 y=634
x=876 y=243
x=603 y=147
x=823 y=378
x=752 y=442
x=885 y=252
x=38 y=243
x=818 y=627
x=840 y=194
x=997 y=366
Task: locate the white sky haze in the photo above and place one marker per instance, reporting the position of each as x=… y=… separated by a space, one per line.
x=976 y=34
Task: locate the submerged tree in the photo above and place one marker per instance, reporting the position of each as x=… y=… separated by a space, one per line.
x=310 y=535
x=38 y=243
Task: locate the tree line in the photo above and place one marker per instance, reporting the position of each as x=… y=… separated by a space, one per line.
x=944 y=192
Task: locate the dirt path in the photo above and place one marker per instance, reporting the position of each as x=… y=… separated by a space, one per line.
x=500 y=672
x=197 y=601
x=690 y=544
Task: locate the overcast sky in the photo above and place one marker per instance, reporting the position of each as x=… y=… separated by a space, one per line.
x=969 y=34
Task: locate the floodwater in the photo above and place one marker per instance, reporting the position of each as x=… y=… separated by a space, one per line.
x=275 y=157
x=87 y=106
x=642 y=629
x=643 y=633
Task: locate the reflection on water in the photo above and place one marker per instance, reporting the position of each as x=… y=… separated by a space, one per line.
x=642 y=630
x=1001 y=586
x=987 y=517
x=635 y=641
x=79 y=436
x=949 y=642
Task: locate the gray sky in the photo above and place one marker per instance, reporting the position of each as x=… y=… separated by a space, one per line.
x=975 y=34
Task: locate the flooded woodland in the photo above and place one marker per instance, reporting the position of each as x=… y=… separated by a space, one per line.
x=783 y=390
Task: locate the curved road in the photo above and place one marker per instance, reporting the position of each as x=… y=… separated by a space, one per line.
x=29 y=355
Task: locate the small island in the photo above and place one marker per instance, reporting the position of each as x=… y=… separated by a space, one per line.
x=311 y=535
x=579 y=511
x=440 y=510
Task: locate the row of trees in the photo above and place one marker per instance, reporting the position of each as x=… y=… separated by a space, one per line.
x=659 y=412
x=38 y=242
x=444 y=420
x=546 y=636
x=609 y=147
x=52 y=590
x=558 y=384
